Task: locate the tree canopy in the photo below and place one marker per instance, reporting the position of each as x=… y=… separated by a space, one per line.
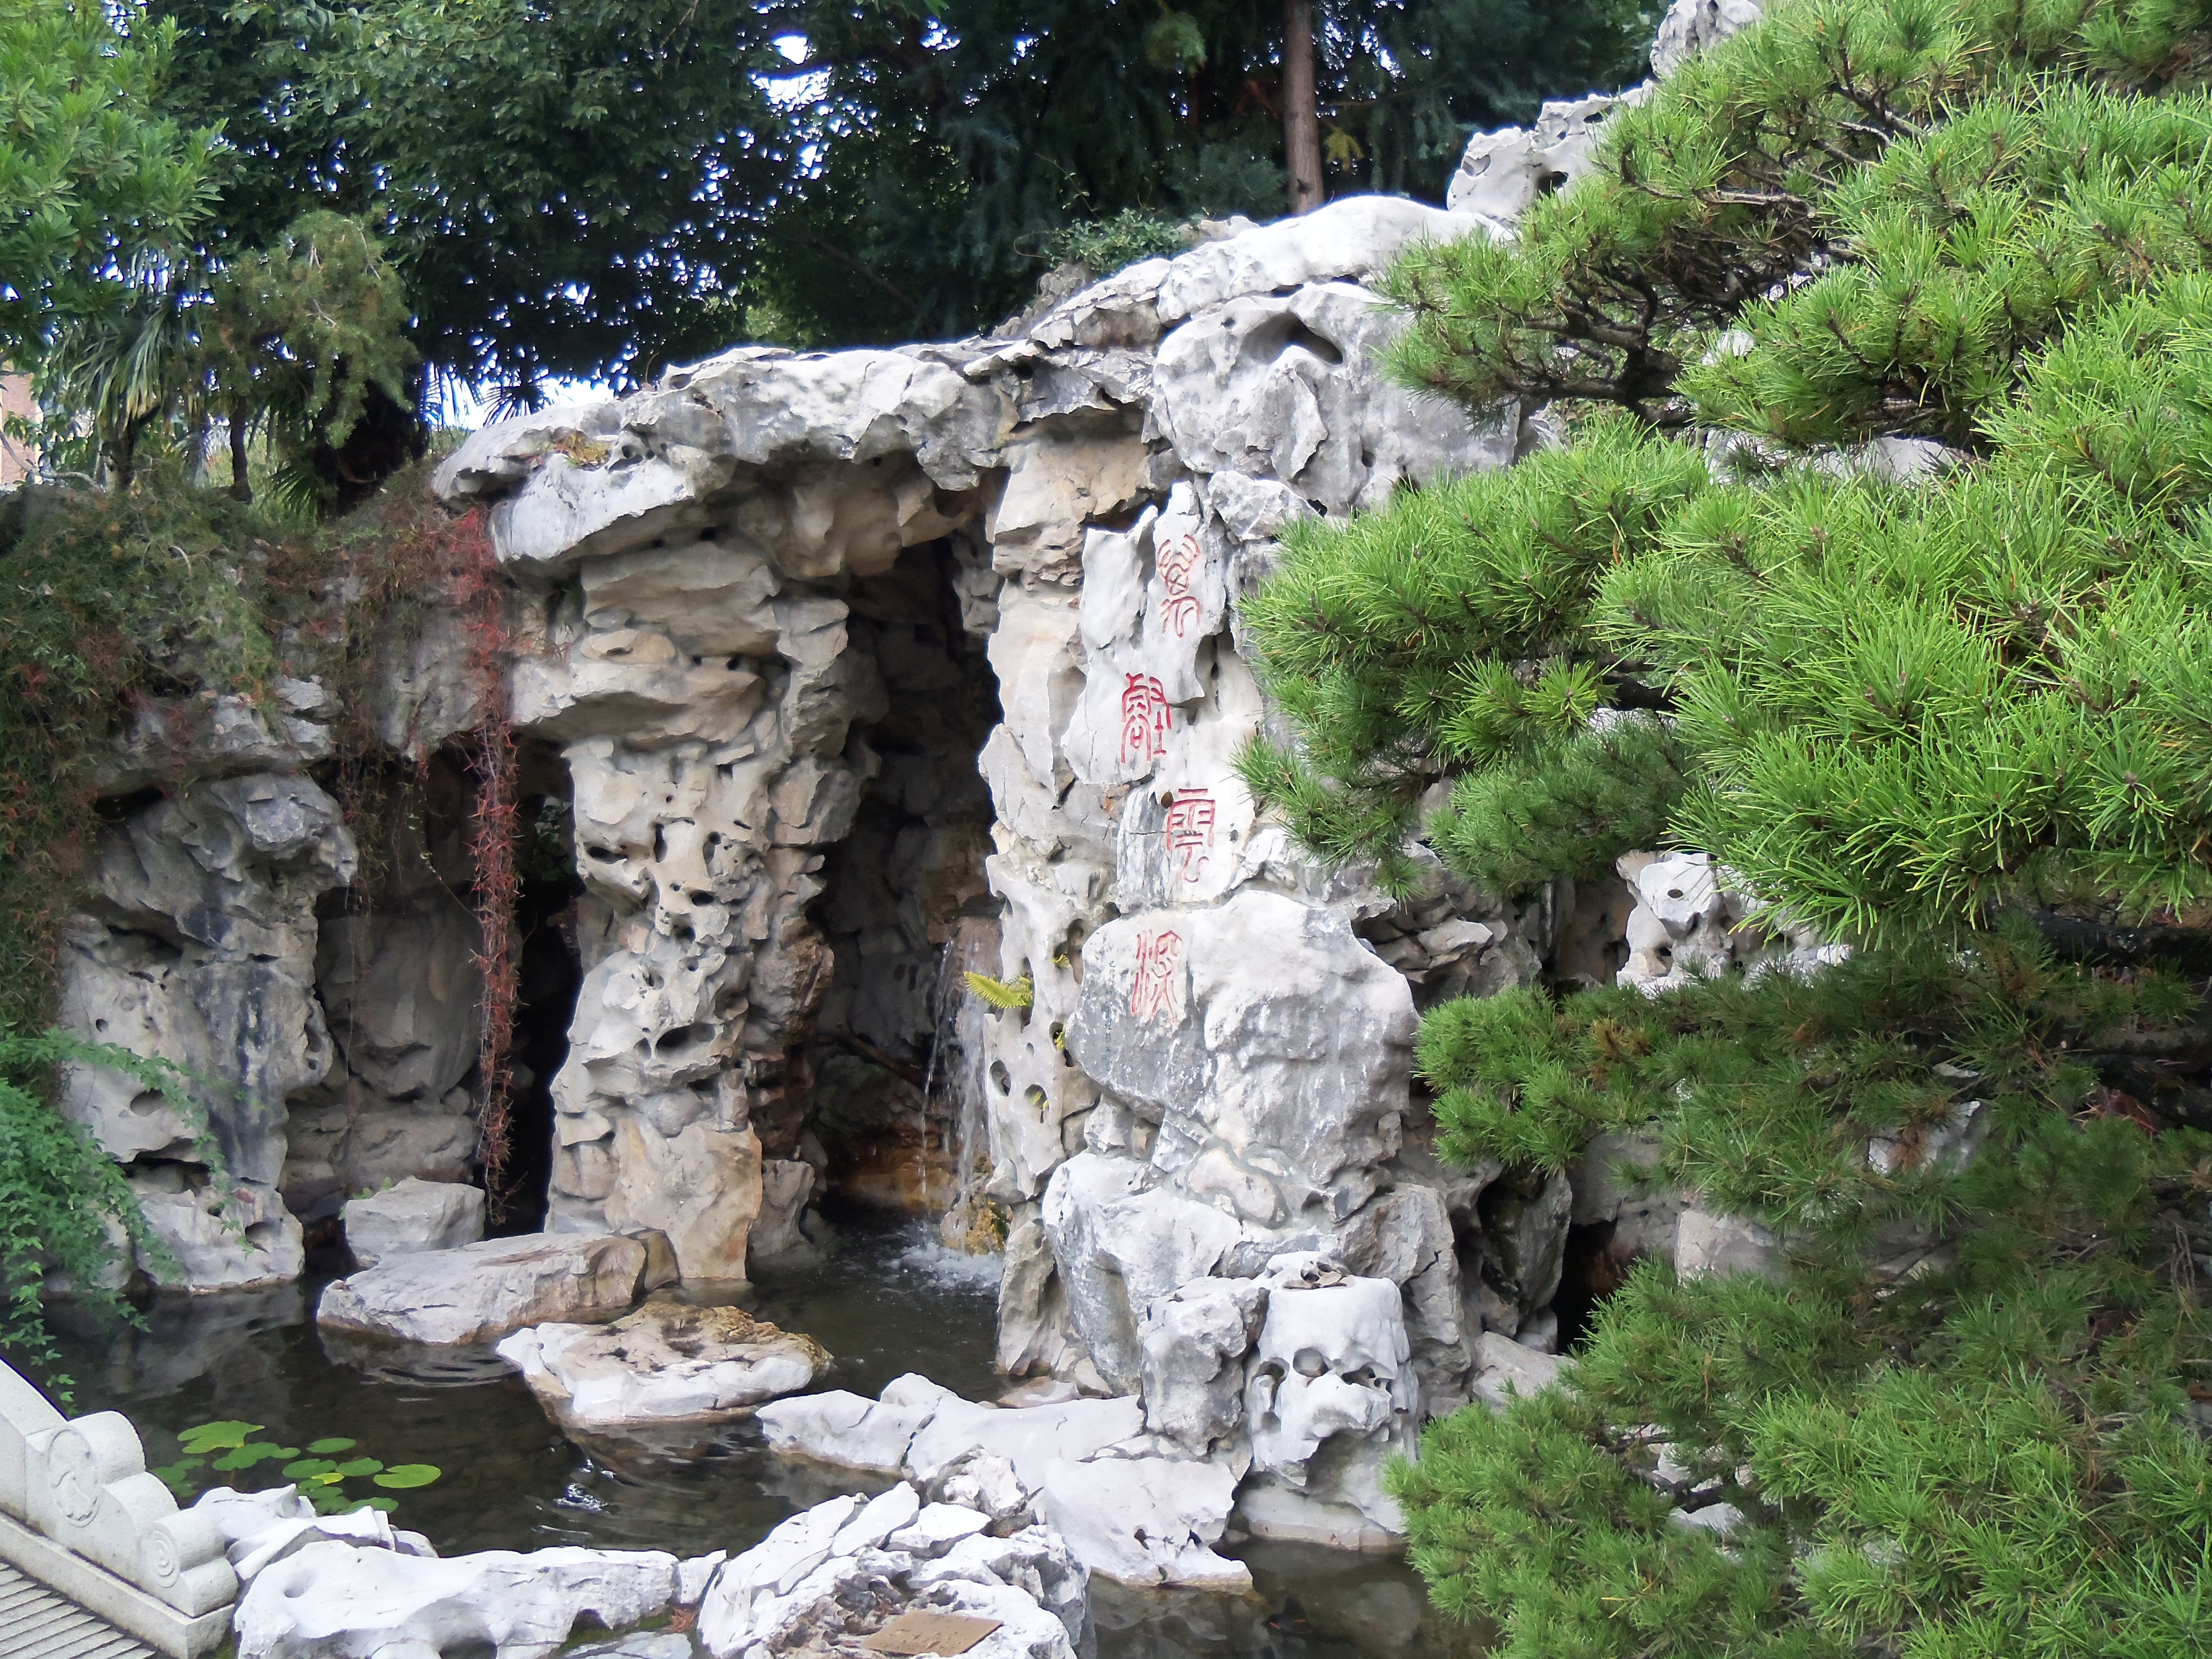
x=595 y=188
x=94 y=178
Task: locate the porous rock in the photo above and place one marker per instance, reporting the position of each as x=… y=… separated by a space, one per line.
x=827 y=1578
x=333 y=1601
x=667 y=1362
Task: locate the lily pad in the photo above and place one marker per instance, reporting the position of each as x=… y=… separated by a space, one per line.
x=308 y=1467
x=252 y=1452
x=387 y=1504
x=218 y=1437
x=178 y=1476
x=360 y=1465
x=402 y=1476
x=334 y=1444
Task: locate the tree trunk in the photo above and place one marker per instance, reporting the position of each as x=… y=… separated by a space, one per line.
x=386 y=436
x=123 y=466
x=241 y=487
x=1300 y=113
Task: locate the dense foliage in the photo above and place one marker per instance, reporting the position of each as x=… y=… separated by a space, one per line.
x=64 y=1205
x=1872 y=560
x=1891 y=706
x=92 y=174
x=596 y=188
x=1964 y=1421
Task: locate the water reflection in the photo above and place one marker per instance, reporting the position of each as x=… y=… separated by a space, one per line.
x=878 y=1301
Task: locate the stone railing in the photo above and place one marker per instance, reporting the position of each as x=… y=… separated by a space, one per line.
x=80 y=1513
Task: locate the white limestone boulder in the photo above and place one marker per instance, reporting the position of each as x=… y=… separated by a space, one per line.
x=826 y=1579
x=666 y=1362
x=1211 y=1022
x=1354 y=237
x=411 y=1216
x=842 y=1427
x=478 y=1292
x=1707 y=1243
x=937 y=1527
x=224 y=1237
x=332 y=1601
x=1028 y=1437
x=1083 y=1467
x=1290 y=385
x=1123 y=1240
x=1330 y=1396
x=1145 y=1520
x=1503 y=172
x=1695 y=26
x=1504 y=1367
x=1192 y=1347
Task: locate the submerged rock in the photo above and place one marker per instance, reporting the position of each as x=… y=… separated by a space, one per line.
x=665 y=1363
x=479 y=1291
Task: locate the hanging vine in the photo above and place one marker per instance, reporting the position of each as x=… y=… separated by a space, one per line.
x=494 y=827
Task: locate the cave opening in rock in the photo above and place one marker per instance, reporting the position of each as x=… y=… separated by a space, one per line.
x=398 y=978
x=893 y=1112
x=550 y=974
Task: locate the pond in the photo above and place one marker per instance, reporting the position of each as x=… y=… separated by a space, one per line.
x=881 y=1300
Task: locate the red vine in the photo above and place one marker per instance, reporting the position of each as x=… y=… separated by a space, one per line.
x=482 y=600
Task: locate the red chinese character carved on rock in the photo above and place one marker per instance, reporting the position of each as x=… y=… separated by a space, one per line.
x=1190 y=831
x=1179 y=562
x=1146 y=716
x=1153 y=992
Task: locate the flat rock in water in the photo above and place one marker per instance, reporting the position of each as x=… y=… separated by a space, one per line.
x=480 y=1291
x=666 y=1362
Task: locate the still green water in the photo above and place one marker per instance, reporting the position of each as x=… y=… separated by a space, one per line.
x=879 y=1301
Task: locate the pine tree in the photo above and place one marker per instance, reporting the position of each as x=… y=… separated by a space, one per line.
x=1946 y=702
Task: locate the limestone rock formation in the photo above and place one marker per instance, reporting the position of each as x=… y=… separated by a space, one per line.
x=1129 y=1510
x=840 y=676
x=1691 y=26
x=410 y=1217
x=333 y=1600
x=197 y=946
x=474 y=1292
x=825 y=1580
x=1691 y=920
x=1503 y=172
x=665 y=1363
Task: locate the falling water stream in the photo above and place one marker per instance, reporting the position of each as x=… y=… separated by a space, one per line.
x=953 y=1080
x=885 y=1299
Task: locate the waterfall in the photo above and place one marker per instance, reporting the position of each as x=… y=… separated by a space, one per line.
x=953 y=1101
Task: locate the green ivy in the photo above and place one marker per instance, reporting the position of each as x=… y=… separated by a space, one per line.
x=64 y=1205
